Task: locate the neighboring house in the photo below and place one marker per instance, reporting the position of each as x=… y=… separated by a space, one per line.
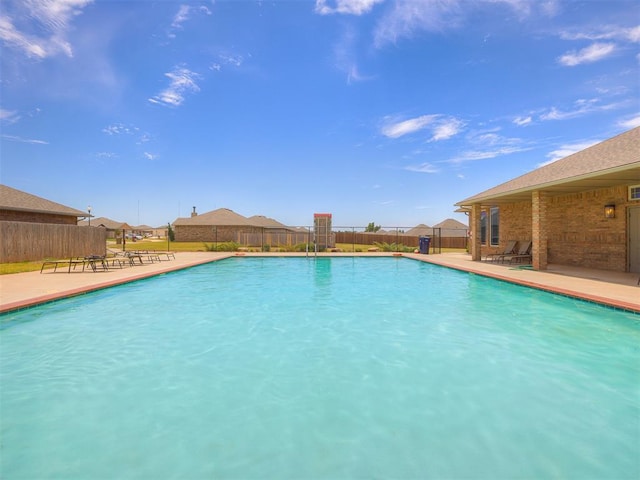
x=452 y=228
x=143 y=230
x=224 y=225
x=420 y=230
x=19 y=206
x=33 y=228
x=582 y=210
x=219 y=225
x=113 y=227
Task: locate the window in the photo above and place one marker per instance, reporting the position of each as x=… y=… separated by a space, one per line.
x=495 y=226
x=483 y=227
x=634 y=192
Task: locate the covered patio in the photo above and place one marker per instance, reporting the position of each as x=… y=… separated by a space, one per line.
x=580 y=211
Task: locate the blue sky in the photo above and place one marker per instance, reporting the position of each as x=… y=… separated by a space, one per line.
x=385 y=111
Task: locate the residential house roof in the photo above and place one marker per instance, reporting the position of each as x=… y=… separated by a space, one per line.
x=106 y=223
x=419 y=230
x=223 y=217
x=615 y=161
x=452 y=228
x=13 y=199
x=220 y=217
x=266 y=222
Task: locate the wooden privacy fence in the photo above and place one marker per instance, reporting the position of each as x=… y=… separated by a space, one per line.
x=22 y=241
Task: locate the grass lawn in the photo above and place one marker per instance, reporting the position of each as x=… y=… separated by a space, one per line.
x=19 y=267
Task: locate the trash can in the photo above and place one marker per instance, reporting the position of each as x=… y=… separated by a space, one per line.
x=424 y=244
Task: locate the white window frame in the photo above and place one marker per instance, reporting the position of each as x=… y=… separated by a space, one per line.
x=632 y=192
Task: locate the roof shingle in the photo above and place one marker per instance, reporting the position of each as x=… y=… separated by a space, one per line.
x=13 y=199
x=619 y=153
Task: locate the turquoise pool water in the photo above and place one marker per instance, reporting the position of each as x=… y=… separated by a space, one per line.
x=320 y=368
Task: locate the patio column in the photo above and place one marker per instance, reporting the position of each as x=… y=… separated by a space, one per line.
x=539 y=230
x=474 y=223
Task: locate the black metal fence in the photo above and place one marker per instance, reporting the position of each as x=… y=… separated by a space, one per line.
x=354 y=239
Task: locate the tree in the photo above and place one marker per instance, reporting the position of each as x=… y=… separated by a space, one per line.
x=372 y=227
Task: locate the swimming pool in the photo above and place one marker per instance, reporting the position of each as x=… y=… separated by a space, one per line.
x=320 y=368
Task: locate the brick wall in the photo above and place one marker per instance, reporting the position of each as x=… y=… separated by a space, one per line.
x=515 y=224
x=578 y=234
x=208 y=233
x=16 y=216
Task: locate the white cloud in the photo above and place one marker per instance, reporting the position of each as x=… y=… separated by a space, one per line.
x=447 y=129
x=590 y=54
x=354 y=75
x=408 y=18
x=150 y=156
x=630 y=123
x=633 y=34
x=566 y=150
x=581 y=107
x=182 y=82
x=345 y=57
x=120 y=129
x=14 y=138
x=349 y=7
x=522 y=121
x=489 y=145
x=45 y=37
x=183 y=14
x=405 y=127
x=473 y=155
x=227 y=59
x=9 y=116
x=423 y=168
x=441 y=127
x=234 y=60
x=606 y=32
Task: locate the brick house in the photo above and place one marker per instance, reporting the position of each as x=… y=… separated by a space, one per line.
x=34 y=228
x=19 y=206
x=114 y=228
x=224 y=225
x=582 y=210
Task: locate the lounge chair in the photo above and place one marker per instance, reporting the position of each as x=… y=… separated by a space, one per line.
x=97 y=262
x=524 y=253
x=508 y=250
x=70 y=262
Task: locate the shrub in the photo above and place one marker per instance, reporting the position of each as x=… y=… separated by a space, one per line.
x=222 y=247
x=393 y=247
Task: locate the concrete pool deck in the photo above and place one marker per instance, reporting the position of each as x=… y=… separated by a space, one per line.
x=615 y=289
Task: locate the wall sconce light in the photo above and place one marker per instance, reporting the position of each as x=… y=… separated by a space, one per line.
x=609 y=211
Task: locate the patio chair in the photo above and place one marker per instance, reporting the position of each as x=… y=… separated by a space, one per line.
x=508 y=250
x=524 y=253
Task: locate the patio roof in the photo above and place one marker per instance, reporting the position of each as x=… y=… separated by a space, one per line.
x=612 y=162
